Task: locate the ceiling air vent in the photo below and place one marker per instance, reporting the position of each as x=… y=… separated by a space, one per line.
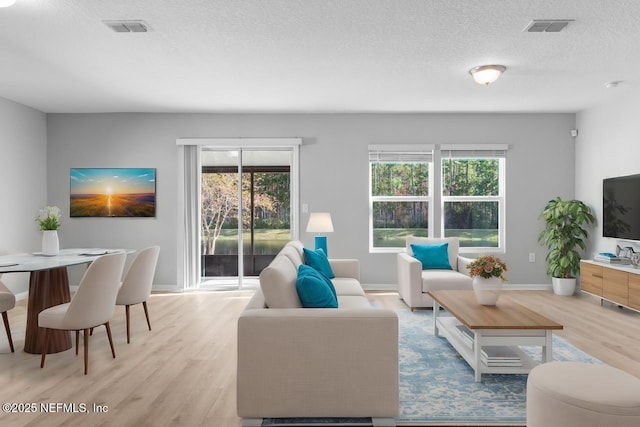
x=137 y=26
x=547 y=25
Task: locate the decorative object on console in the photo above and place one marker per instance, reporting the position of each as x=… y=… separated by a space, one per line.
x=563 y=235
x=488 y=274
x=48 y=220
x=320 y=222
x=113 y=192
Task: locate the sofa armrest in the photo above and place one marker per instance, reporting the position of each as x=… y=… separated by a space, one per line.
x=462 y=264
x=409 y=271
x=317 y=363
x=346 y=268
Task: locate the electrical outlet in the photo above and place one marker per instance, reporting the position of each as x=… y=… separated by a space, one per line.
x=532 y=257
x=305 y=208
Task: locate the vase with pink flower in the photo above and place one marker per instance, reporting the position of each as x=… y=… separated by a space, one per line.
x=487 y=272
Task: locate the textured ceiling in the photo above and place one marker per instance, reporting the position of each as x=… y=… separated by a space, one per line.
x=315 y=55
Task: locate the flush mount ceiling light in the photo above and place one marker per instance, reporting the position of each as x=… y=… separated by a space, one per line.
x=487 y=74
x=7 y=3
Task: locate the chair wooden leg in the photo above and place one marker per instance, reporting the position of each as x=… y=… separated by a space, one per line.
x=126 y=310
x=113 y=350
x=86 y=351
x=91 y=331
x=5 y=318
x=77 y=341
x=146 y=313
x=45 y=346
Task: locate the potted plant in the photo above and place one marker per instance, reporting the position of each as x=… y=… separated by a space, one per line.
x=563 y=235
x=487 y=272
x=48 y=220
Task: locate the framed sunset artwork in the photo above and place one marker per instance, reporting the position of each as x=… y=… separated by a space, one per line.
x=112 y=192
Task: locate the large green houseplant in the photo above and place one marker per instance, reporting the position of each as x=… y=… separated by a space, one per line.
x=563 y=235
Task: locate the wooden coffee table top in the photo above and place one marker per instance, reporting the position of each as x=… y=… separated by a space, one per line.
x=504 y=315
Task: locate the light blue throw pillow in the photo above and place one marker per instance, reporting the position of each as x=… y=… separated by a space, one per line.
x=318 y=260
x=432 y=257
x=315 y=290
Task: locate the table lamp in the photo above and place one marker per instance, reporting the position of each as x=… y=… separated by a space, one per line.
x=320 y=222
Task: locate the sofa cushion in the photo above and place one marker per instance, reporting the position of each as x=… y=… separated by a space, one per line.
x=292 y=253
x=353 y=301
x=278 y=284
x=432 y=257
x=315 y=290
x=318 y=260
x=347 y=286
x=445 y=279
x=454 y=246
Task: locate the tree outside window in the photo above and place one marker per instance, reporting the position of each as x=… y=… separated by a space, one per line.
x=472 y=197
x=400 y=200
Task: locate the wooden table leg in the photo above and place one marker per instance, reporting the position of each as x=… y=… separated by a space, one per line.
x=46 y=289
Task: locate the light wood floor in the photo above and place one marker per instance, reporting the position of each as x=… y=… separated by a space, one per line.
x=183 y=372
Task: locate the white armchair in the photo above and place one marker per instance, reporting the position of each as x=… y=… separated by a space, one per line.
x=414 y=282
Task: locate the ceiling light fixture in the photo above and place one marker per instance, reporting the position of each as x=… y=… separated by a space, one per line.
x=487 y=74
x=7 y=3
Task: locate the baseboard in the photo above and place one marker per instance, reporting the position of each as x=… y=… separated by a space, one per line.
x=166 y=288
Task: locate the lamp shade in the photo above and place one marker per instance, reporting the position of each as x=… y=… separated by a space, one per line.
x=7 y=3
x=487 y=74
x=320 y=222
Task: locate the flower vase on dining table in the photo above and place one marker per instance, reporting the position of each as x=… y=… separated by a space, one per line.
x=487 y=290
x=50 y=243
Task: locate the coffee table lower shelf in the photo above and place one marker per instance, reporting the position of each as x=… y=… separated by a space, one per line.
x=447 y=326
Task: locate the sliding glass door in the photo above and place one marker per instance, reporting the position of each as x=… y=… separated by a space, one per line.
x=246 y=211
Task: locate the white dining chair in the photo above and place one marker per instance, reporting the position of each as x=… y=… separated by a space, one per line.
x=7 y=302
x=92 y=305
x=136 y=286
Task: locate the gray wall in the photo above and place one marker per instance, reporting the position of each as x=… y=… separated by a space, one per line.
x=333 y=171
x=23 y=182
x=607 y=146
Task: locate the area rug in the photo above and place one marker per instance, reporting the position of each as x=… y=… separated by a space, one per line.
x=437 y=386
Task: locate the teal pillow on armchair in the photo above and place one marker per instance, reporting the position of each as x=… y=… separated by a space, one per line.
x=432 y=257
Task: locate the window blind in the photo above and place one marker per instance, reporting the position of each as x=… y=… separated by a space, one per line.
x=401 y=153
x=497 y=151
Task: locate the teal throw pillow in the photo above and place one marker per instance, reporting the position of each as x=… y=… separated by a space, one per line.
x=315 y=290
x=318 y=260
x=433 y=257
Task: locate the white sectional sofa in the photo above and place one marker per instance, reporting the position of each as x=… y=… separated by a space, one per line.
x=414 y=282
x=296 y=362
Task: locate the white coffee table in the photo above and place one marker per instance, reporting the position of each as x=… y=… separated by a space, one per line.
x=505 y=324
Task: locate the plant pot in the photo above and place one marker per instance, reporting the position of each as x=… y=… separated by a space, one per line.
x=50 y=244
x=487 y=290
x=563 y=287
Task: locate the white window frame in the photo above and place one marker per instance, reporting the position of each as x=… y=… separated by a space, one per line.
x=471 y=152
x=399 y=153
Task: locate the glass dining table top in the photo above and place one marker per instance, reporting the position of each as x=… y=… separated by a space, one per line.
x=36 y=261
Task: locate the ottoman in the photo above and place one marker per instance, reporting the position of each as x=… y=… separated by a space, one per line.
x=579 y=394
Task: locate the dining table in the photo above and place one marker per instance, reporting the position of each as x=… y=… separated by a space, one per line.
x=48 y=286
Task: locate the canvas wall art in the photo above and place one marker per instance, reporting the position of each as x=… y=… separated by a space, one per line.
x=113 y=192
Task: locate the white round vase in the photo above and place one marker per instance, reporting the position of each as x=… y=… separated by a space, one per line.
x=487 y=290
x=50 y=244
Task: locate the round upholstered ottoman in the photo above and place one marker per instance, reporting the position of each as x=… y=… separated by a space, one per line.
x=571 y=394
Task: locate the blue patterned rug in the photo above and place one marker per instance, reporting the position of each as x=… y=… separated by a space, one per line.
x=437 y=385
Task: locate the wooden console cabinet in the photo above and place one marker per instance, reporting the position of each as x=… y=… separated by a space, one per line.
x=618 y=284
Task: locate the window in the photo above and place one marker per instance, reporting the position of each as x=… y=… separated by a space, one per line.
x=473 y=196
x=400 y=194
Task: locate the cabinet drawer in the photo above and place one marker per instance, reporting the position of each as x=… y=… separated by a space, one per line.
x=615 y=286
x=634 y=291
x=591 y=278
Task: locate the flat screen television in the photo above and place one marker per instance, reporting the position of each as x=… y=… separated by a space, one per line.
x=621 y=207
